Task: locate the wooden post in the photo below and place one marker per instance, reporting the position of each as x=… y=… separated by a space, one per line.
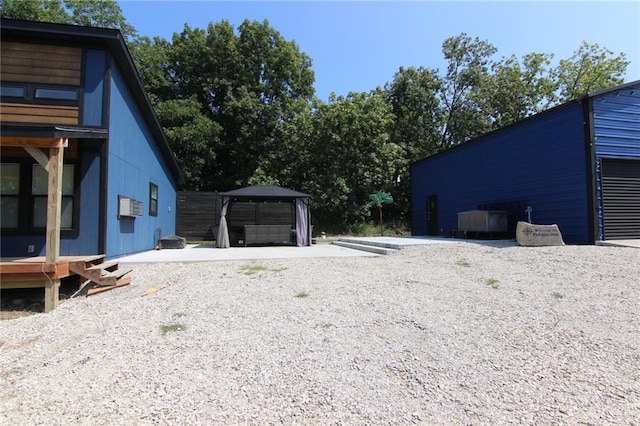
x=54 y=208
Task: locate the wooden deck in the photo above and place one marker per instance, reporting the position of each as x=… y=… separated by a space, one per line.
x=36 y=272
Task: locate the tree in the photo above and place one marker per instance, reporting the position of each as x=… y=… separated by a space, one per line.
x=351 y=156
x=91 y=13
x=193 y=137
x=468 y=65
x=589 y=69
x=417 y=122
x=250 y=82
x=378 y=199
x=514 y=90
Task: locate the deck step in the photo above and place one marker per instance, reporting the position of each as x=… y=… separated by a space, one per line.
x=117 y=274
x=371 y=248
x=106 y=266
x=99 y=276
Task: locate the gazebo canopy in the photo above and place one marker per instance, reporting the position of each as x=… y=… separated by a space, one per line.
x=262 y=192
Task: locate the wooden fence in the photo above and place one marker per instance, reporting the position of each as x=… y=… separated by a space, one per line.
x=197 y=214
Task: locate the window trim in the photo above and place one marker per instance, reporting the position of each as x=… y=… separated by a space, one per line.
x=30 y=95
x=153 y=202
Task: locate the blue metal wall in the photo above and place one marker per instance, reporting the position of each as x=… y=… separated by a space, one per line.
x=616 y=128
x=94 y=73
x=541 y=161
x=134 y=161
x=616 y=122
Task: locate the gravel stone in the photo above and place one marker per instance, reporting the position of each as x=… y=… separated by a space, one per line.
x=472 y=333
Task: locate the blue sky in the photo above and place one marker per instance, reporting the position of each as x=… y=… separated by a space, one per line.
x=359 y=45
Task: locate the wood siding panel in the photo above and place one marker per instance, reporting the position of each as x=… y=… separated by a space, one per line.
x=43 y=114
x=35 y=63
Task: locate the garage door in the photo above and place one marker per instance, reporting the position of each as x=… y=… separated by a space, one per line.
x=621 y=199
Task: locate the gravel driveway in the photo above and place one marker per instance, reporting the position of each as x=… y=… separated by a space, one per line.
x=440 y=334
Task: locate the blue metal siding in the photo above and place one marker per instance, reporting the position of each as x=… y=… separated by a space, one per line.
x=616 y=122
x=616 y=127
x=540 y=161
x=88 y=241
x=134 y=161
x=92 y=111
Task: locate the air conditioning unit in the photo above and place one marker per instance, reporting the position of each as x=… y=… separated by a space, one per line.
x=129 y=207
x=482 y=221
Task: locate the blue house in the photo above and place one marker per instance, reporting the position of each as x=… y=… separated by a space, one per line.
x=576 y=165
x=72 y=102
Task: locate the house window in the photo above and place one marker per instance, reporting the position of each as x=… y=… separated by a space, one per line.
x=10 y=195
x=153 y=199
x=38 y=94
x=39 y=191
x=12 y=91
x=58 y=94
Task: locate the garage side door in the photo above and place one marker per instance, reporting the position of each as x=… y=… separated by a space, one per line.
x=621 y=198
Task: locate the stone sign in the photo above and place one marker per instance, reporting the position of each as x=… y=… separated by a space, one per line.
x=528 y=234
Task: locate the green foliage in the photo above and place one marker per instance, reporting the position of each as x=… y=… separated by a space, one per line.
x=193 y=137
x=171 y=328
x=249 y=82
x=92 y=13
x=514 y=90
x=379 y=198
x=352 y=157
x=372 y=229
x=254 y=268
x=468 y=64
x=493 y=283
x=589 y=69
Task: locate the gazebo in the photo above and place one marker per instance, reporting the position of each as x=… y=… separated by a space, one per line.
x=264 y=215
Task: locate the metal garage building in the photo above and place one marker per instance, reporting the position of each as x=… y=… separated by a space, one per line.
x=576 y=165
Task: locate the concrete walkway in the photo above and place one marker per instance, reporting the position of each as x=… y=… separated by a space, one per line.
x=324 y=248
x=620 y=243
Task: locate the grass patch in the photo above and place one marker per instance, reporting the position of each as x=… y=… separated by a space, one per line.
x=252 y=269
x=171 y=328
x=493 y=283
x=557 y=295
x=302 y=295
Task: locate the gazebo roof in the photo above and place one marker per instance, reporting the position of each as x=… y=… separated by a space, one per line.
x=264 y=191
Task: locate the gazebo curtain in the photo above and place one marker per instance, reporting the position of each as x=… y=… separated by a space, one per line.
x=302 y=222
x=222 y=239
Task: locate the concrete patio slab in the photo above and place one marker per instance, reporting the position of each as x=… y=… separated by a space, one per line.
x=207 y=253
x=324 y=248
